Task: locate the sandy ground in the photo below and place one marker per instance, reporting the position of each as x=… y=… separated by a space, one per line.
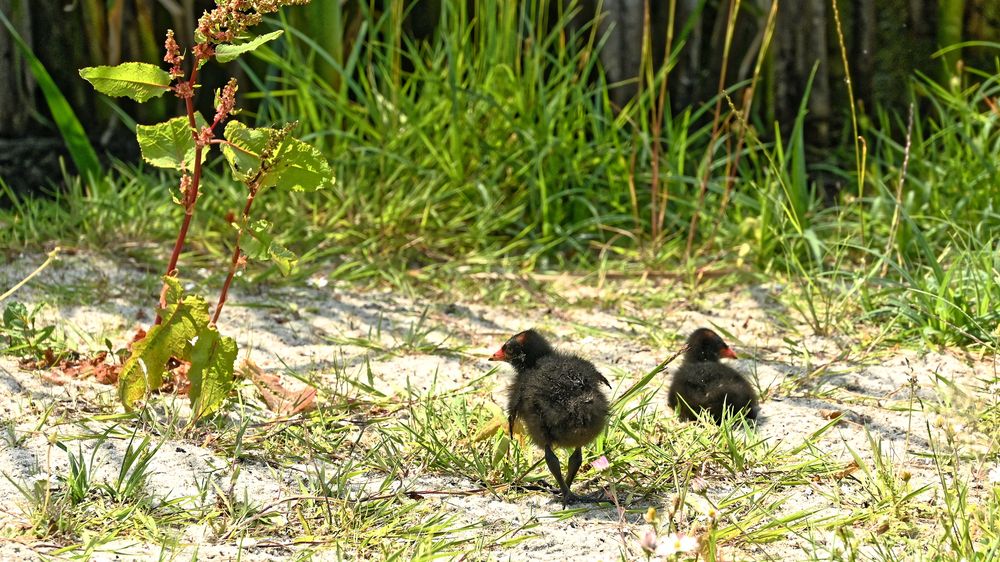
x=293 y=329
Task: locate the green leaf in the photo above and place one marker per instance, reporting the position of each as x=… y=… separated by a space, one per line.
x=298 y=166
x=186 y=335
x=14 y=314
x=227 y=53
x=260 y=245
x=80 y=150
x=254 y=245
x=285 y=259
x=143 y=370
x=244 y=148
x=169 y=144
x=294 y=165
x=174 y=290
x=211 y=374
x=137 y=80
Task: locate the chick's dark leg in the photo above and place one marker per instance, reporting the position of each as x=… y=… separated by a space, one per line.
x=553 y=463
x=575 y=460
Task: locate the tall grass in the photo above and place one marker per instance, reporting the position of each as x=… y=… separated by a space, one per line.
x=495 y=137
x=493 y=143
x=945 y=282
x=497 y=142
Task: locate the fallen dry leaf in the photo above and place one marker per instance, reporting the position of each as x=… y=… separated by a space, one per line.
x=96 y=366
x=830 y=414
x=47 y=360
x=61 y=371
x=280 y=400
x=850 y=469
x=107 y=374
x=497 y=424
x=139 y=334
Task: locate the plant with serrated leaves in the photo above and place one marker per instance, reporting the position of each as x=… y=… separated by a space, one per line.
x=259 y=158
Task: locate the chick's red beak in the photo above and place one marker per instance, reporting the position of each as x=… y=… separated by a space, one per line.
x=498 y=356
x=728 y=352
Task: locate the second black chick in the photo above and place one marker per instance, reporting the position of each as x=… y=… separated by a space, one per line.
x=557 y=397
x=703 y=383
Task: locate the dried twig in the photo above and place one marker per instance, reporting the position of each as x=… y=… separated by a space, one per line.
x=899 y=195
x=52 y=256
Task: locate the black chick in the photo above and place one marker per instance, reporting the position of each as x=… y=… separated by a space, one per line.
x=702 y=383
x=557 y=397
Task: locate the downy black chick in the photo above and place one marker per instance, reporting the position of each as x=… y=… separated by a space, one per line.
x=558 y=399
x=703 y=383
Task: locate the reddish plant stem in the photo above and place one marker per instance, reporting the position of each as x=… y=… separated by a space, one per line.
x=190 y=197
x=235 y=262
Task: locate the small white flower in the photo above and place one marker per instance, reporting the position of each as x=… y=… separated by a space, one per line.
x=40 y=478
x=318 y=281
x=994 y=475
x=689 y=544
x=677 y=544
x=193 y=341
x=994 y=388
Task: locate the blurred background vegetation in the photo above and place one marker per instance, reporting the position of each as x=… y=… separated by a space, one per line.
x=714 y=43
x=850 y=145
